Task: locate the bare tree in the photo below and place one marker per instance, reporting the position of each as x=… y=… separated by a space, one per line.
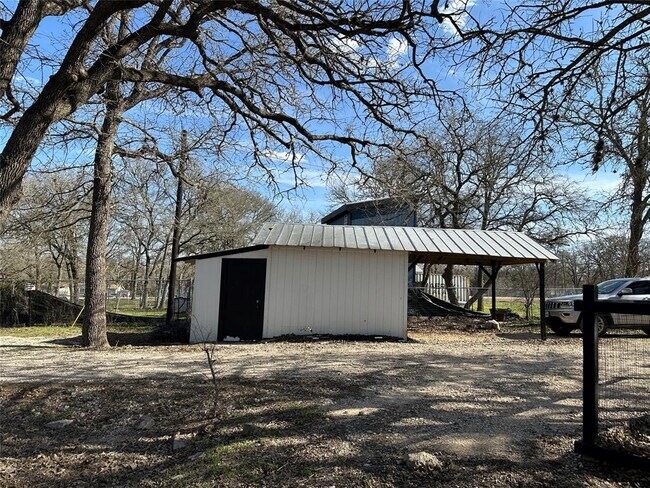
x=525 y=279
x=472 y=173
x=610 y=120
x=534 y=55
x=305 y=60
x=52 y=220
x=116 y=104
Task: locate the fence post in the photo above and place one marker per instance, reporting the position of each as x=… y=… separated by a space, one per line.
x=590 y=366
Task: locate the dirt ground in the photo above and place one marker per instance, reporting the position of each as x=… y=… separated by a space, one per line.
x=497 y=409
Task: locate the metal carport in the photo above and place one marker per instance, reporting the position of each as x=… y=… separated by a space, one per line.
x=488 y=249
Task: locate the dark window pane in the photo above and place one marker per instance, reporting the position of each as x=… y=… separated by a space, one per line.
x=640 y=287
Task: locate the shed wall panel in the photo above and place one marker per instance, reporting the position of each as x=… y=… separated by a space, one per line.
x=331 y=291
x=207 y=288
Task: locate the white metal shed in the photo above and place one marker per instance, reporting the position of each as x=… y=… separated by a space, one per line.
x=332 y=279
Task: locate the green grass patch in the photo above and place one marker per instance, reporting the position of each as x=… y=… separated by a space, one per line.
x=231 y=464
x=228 y=460
x=141 y=313
x=518 y=307
x=133 y=307
x=63 y=331
x=54 y=331
x=515 y=306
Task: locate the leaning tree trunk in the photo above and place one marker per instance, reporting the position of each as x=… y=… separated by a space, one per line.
x=94 y=326
x=479 y=294
x=66 y=90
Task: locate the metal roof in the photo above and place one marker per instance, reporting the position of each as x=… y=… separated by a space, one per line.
x=444 y=246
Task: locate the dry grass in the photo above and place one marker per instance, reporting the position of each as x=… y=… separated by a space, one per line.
x=497 y=409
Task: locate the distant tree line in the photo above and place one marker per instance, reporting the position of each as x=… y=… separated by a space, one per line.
x=46 y=238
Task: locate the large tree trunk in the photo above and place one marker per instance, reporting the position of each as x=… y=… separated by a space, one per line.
x=479 y=285
x=94 y=326
x=639 y=180
x=636 y=233
x=145 y=281
x=448 y=276
x=176 y=235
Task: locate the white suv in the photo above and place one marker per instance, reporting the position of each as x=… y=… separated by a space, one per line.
x=562 y=319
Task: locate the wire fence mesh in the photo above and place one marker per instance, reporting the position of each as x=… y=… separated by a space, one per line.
x=624 y=381
x=616 y=382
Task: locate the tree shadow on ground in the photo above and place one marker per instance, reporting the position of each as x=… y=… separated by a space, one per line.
x=128 y=337
x=490 y=423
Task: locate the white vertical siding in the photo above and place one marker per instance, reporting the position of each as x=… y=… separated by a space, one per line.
x=207 y=287
x=331 y=291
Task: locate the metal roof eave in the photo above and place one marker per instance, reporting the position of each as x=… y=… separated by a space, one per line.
x=469 y=260
x=240 y=250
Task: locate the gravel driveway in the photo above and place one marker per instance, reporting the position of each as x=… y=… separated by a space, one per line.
x=493 y=394
x=495 y=409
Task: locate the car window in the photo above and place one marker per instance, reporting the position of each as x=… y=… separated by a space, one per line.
x=609 y=286
x=640 y=287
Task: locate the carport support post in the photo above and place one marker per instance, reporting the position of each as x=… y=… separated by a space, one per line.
x=495 y=270
x=541 y=269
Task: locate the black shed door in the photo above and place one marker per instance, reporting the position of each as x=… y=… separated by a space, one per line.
x=241 y=301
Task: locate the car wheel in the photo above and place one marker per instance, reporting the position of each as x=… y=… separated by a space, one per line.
x=561 y=329
x=602 y=323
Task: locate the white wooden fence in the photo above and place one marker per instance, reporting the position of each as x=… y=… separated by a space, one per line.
x=436 y=286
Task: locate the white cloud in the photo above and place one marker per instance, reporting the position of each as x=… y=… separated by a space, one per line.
x=293 y=169
x=309 y=177
x=345 y=45
x=283 y=156
x=458 y=10
x=599 y=182
x=396 y=49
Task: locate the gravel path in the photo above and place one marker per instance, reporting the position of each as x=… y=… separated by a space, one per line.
x=493 y=394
